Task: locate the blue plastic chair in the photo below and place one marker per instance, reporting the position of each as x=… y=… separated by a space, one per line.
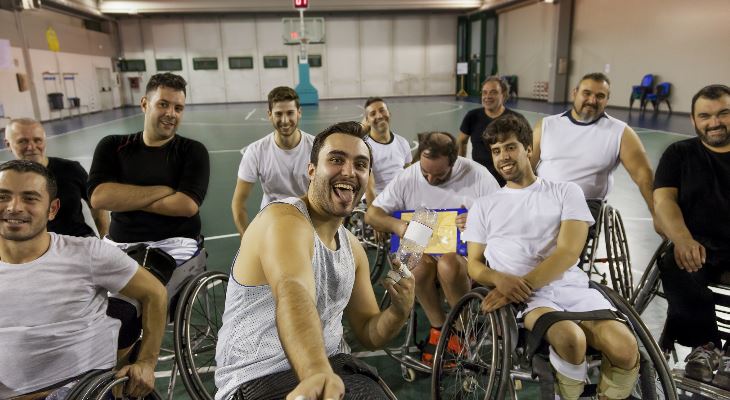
x=640 y=92
x=660 y=95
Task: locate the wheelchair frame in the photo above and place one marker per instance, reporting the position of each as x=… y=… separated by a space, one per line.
x=365 y=234
x=491 y=347
x=648 y=288
x=96 y=385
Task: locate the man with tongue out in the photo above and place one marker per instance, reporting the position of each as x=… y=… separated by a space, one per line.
x=439 y=179
x=297 y=273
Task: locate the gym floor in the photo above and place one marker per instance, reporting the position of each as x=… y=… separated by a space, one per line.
x=227 y=128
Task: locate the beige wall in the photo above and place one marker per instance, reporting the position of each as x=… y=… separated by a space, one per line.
x=683 y=42
x=525 y=44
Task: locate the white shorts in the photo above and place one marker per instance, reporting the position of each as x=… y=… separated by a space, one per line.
x=572 y=298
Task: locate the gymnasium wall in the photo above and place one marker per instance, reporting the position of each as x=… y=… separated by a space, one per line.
x=682 y=42
x=392 y=55
x=81 y=52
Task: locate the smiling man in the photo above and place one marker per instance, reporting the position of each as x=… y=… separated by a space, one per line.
x=53 y=327
x=585 y=145
x=297 y=273
x=692 y=199
x=153 y=182
x=495 y=92
x=279 y=160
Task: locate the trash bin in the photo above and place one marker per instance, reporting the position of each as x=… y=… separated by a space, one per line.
x=55 y=101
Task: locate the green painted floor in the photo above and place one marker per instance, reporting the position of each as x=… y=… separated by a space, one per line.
x=226 y=129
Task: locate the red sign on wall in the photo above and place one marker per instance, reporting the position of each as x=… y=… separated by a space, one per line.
x=301 y=4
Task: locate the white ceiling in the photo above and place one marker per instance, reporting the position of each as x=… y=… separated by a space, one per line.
x=219 y=6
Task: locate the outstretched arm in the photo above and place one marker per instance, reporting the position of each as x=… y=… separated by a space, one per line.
x=373 y=328
x=381 y=221
x=634 y=159
x=287 y=268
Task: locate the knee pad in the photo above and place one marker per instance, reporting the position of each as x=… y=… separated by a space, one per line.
x=617 y=383
x=570 y=377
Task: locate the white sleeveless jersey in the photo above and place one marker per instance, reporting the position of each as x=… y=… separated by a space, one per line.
x=248 y=342
x=584 y=153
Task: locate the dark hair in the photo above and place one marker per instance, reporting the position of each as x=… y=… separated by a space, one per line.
x=594 y=76
x=282 y=93
x=711 y=92
x=503 y=85
x=437 y=146
x=168 y=80
x=346 y=128
x=503 y=127
x=24 y=166
x=372 y=100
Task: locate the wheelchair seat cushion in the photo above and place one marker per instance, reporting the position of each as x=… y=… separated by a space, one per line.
x=159 y=263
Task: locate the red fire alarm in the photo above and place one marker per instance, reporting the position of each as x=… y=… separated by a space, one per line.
x=303 y=4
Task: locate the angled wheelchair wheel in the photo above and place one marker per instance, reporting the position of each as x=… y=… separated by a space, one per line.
x=655 y=377
x=648 y=286
x=617 y=253
x=198 y=318
x=78 y=389
x=471 y=356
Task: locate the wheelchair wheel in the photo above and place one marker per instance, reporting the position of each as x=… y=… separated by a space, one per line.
x=648 y=286
x=198 y=318
x=97 y=386
x=617 y=253
x=365 y=234
x=655 y=377
x=470 y=361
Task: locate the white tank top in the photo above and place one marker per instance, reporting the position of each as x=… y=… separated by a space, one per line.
x=248 y=342
x=584 y=153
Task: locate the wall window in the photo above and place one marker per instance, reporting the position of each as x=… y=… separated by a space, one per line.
x=240 y=62
x=170 y=64
x=132 y=66
x=210 y=63
x=275 y=62
x=315 y=60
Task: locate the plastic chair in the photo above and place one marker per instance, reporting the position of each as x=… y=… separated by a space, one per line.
x=662 y=94
x=641 y=91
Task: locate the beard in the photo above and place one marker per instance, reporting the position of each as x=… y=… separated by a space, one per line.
x=322 y=194
x=720 y=140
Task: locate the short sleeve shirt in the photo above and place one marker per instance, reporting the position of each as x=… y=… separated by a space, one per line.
x=702 y=180
x=53 y=322
x=410 y=190
x=71 y=180
x=389 y=159
x=520 y=226
x=283 y=173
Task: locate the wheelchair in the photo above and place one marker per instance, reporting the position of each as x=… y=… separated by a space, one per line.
x=650 y=287
x=496 y=355
x=376 y=250
x=97 y=385
x=617 y=256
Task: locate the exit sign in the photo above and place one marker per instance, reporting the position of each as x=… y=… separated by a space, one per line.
x=301 y=3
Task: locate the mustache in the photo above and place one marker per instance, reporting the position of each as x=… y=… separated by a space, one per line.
x=712 y=128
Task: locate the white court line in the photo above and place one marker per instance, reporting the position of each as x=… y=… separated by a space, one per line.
x=249 y=114
x=92 y=126
x=458 y=107
x=208 y=238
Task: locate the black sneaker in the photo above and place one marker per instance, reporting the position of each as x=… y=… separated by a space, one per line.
x=701 y=362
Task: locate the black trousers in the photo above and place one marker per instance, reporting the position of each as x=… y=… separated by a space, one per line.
x=691 y=304
x=361 y=382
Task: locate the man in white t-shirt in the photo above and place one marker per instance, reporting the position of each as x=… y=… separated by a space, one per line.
x=279 y=160
x=525 y=241
x=53 y=322
x=585 y=145
x=439 y=179
x=391 y=152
